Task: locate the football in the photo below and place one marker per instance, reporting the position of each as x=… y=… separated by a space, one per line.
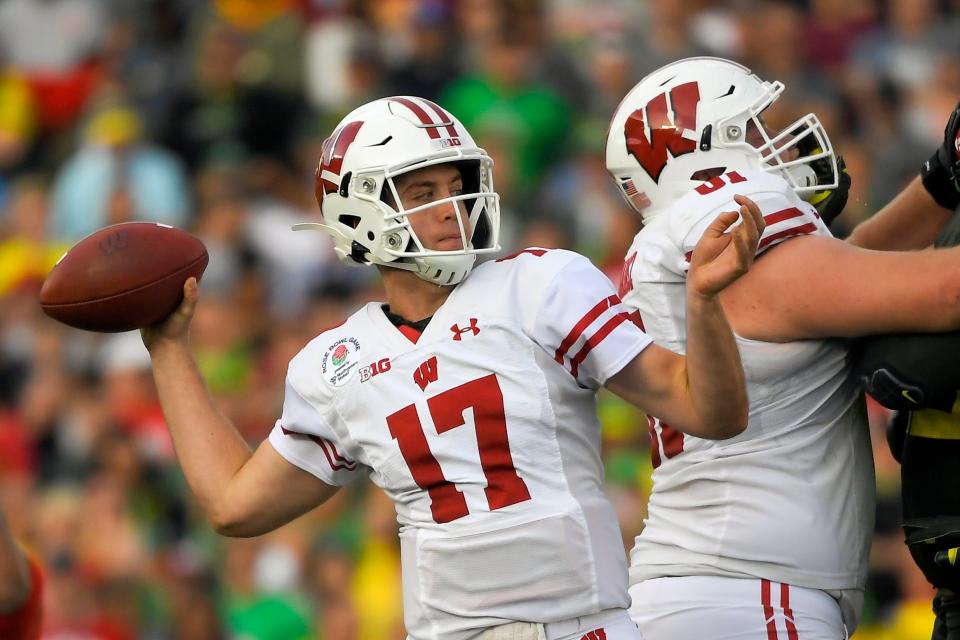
x=123 y=277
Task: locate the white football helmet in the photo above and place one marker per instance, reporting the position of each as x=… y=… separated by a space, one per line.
x=373 y=145
x=693 y=119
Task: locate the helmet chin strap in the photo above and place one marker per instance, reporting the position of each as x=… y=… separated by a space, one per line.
x=445 y=270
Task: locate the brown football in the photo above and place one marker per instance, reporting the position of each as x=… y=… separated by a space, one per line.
x=123 y=277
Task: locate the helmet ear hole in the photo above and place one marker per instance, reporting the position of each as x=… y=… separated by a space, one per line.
x=349 y=220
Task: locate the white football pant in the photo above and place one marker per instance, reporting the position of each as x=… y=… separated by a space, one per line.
x=716 y=608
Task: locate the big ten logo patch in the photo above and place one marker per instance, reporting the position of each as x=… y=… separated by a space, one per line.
x=339 y=361
x=374 y=369
x=426 y=373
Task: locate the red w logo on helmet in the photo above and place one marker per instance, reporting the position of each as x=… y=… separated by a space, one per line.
x=331 y=157
x=665 y=134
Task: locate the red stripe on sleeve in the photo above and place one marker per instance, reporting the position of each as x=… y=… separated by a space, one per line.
x=425 y=119
x=334 y=459
x=583 y=323
x=444 y=117
x=768 y=610
x=596 y=339
x=772 y=219
x=783 y=214
x=788 y=612
x=786 y=233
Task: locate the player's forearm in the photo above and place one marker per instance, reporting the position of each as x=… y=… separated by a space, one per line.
x=910 y=221
x=209 y=448
x=714 y=372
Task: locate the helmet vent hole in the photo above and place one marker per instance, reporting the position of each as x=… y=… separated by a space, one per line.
x=351 y=221
x=370 y=235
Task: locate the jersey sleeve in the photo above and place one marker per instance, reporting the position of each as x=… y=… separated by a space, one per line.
x=785 y=214
x=583 y=325
x=304 y=438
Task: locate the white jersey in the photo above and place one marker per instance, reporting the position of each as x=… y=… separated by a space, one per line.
x=791 y=499
x=484 y=434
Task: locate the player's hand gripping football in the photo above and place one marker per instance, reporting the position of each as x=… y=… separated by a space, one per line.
x=176 y=326
x=720 y=257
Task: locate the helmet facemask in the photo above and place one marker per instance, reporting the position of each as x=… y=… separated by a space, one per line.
x=477 y=215
x=815 y=166
x=395 y=243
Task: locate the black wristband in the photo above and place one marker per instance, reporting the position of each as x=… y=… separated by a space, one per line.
x=939 y=182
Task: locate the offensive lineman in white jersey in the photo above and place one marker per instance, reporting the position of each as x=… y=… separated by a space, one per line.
x=764 y=535
x=469 y=400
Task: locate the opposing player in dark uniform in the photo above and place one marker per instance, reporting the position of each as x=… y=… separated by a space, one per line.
x=919 y=376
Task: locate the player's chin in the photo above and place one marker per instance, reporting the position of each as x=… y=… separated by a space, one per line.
x=454 y=243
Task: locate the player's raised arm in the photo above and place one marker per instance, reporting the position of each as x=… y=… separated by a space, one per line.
x=702 y=394
x=237 y=489
x=914 y=218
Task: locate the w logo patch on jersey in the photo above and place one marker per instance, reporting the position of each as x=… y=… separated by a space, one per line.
x=666 y=133
x=426 y=373
x=596 y=634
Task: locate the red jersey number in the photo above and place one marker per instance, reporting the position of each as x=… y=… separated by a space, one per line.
x=667 y=439
x=483 y=395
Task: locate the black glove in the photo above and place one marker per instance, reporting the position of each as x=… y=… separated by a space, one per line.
x=941 y=173
x=830 y=202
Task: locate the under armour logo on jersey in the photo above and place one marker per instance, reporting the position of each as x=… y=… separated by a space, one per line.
x=458 y=332
x=426 y=373
x=596 y=634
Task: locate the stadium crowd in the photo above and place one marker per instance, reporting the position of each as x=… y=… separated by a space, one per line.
x=210 y=116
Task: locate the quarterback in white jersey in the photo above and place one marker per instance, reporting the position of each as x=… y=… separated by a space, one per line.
x=764 y=535
x=483 y=432
x=469 y=396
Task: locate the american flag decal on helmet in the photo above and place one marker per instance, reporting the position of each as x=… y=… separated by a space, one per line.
x=637 y=198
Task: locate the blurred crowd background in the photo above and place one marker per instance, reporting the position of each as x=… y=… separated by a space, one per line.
x=209 y=116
